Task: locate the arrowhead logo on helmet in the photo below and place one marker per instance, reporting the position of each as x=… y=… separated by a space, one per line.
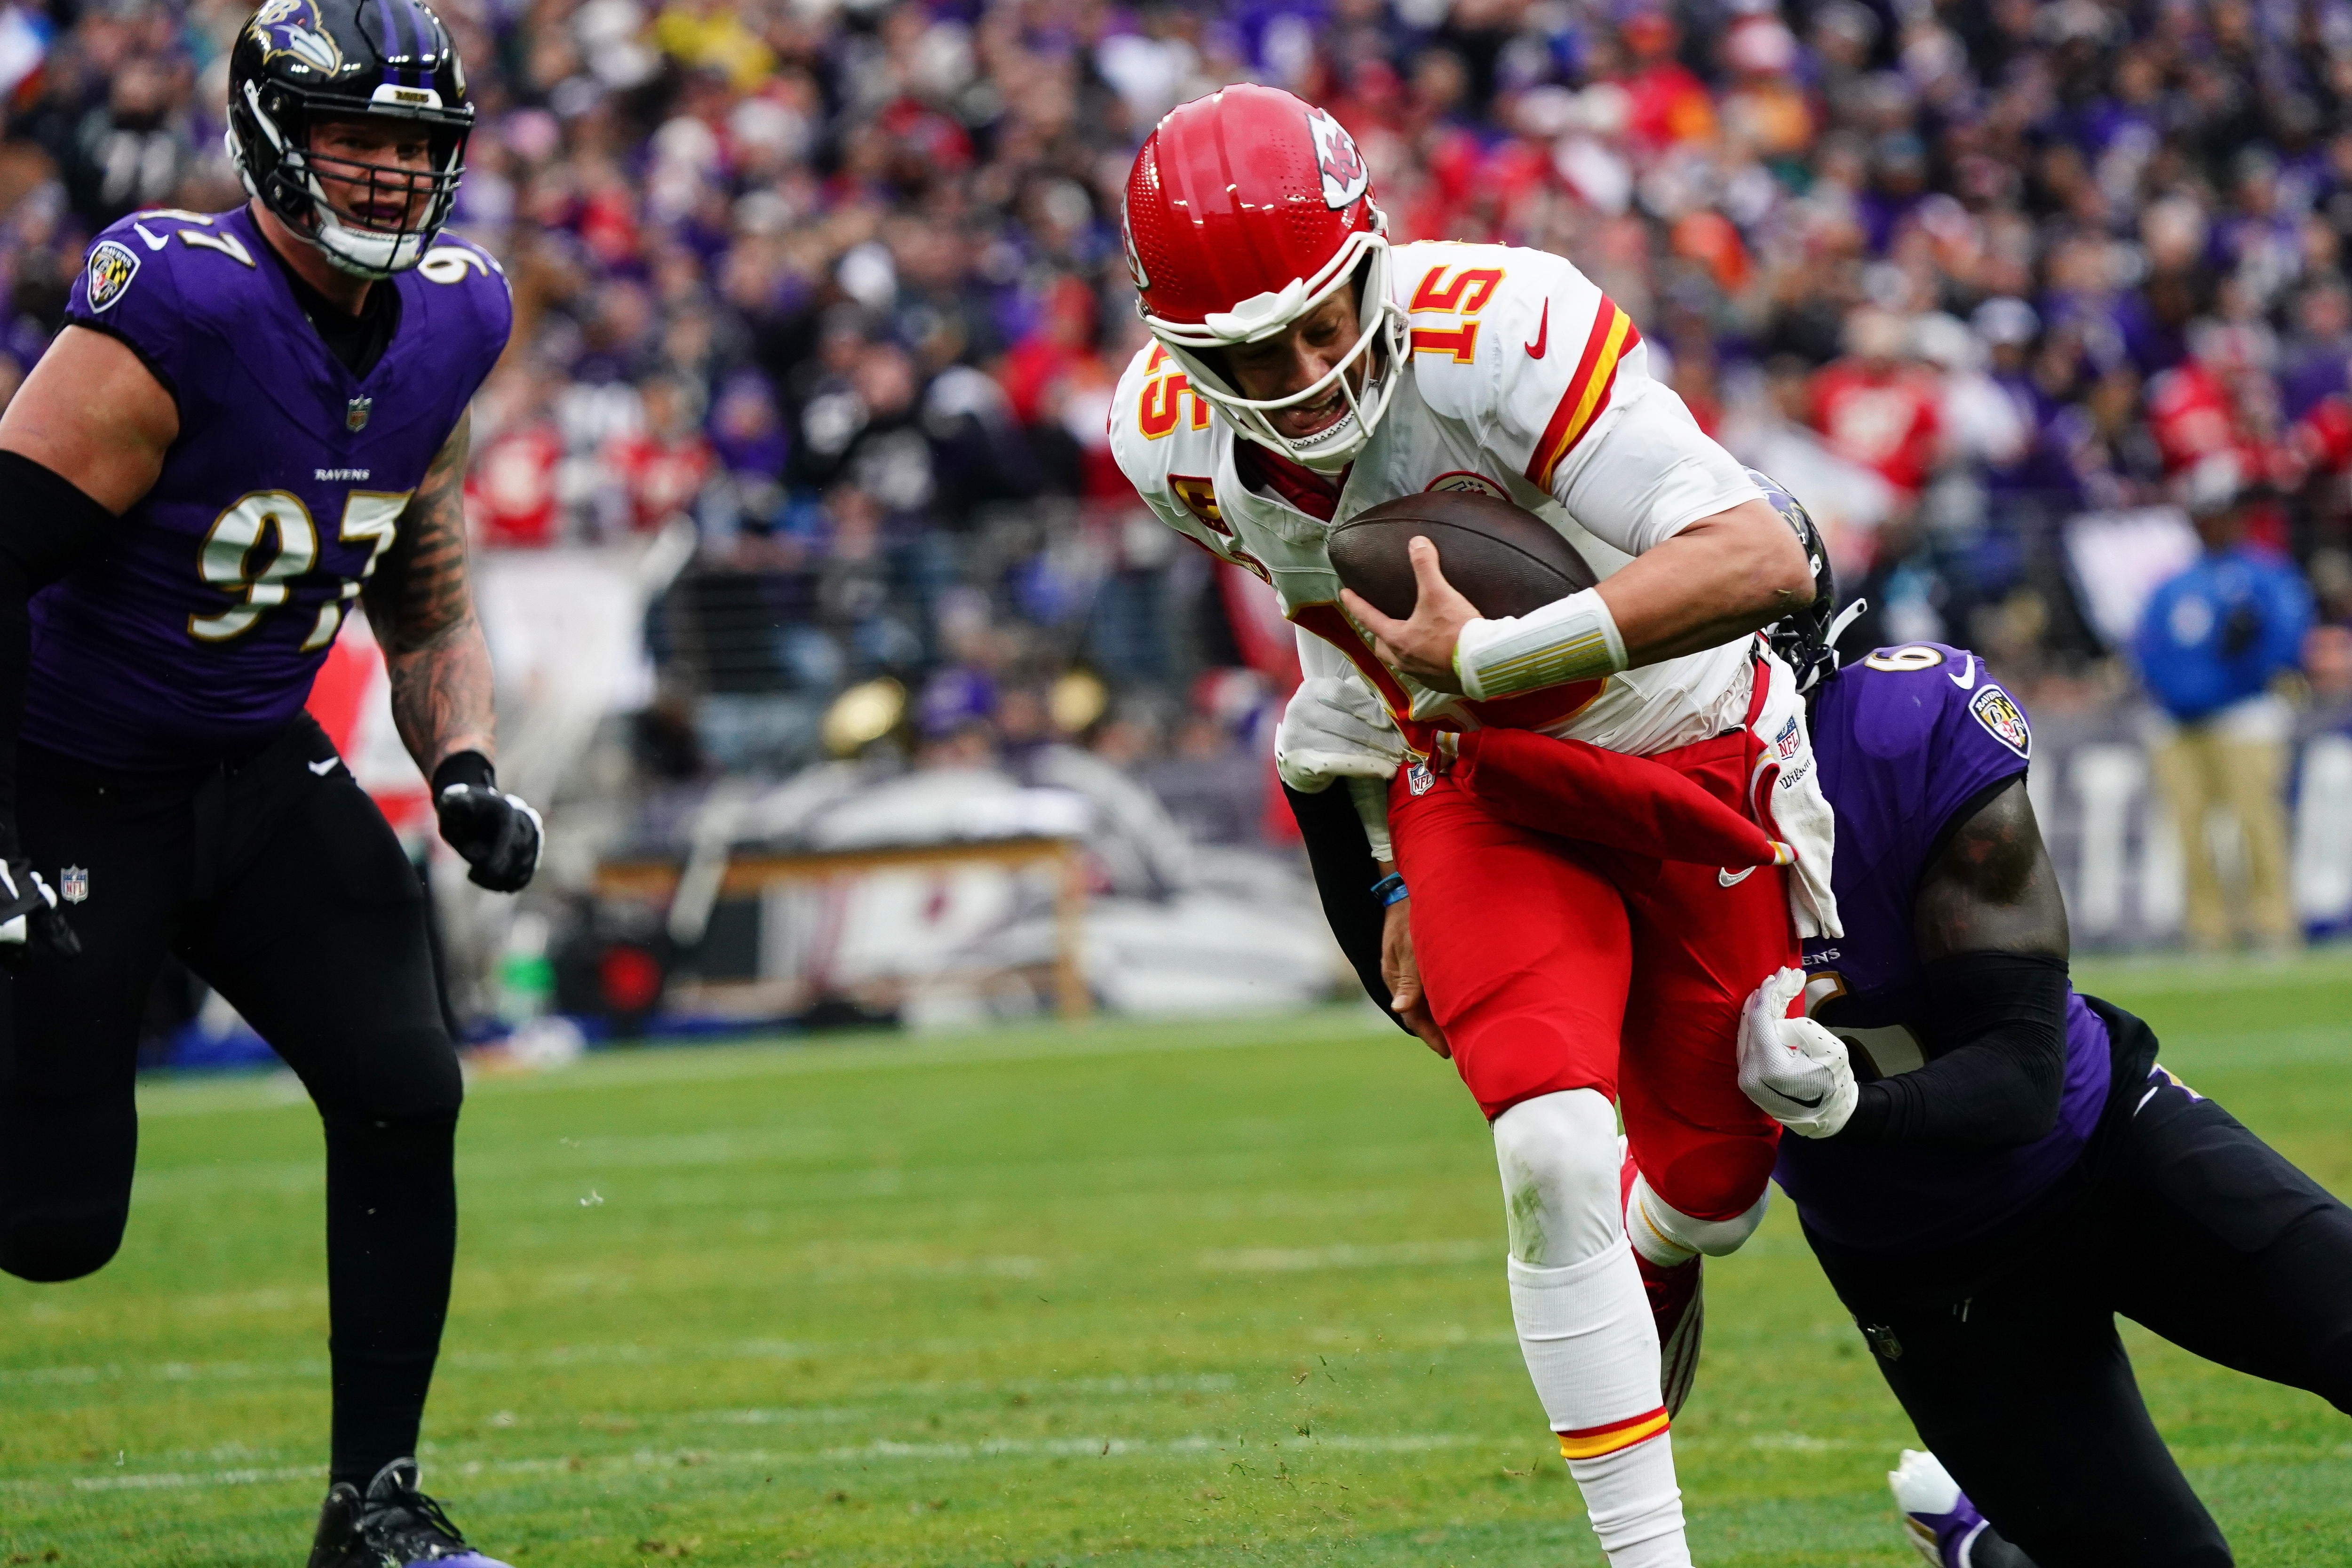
x=1345 y=178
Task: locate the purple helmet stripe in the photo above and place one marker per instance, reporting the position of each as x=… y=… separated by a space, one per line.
x=417 y=25
x=396 y=40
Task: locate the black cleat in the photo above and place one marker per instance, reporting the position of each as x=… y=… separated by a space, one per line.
x=392 y=1525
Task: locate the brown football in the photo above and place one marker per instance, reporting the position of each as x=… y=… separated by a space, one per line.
x=1502 y=558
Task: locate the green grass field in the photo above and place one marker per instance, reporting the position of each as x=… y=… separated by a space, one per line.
x=1130 y=1294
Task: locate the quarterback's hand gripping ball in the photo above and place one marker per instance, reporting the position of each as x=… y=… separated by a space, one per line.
x=498 y=834
x=29 y=914
x=1795 y=1070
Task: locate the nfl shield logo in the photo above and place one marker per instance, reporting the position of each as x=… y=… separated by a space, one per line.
x=1418 y=778
x=355 y=412
x=73 y=884
x=1786 y=742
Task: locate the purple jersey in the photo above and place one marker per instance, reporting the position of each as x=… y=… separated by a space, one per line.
x=198 y=631
x=1907 y=738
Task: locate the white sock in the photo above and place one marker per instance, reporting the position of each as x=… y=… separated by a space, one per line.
x=1593 y=1351
x=1635 y=1507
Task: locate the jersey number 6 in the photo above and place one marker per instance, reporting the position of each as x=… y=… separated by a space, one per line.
x=226 y=558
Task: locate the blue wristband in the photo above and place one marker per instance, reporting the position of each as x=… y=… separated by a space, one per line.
x=1390 y=889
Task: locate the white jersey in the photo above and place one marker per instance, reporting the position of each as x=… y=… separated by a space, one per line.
x=1523 y=381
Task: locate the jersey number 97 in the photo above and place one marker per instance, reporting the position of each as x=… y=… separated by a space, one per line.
x=226 y=560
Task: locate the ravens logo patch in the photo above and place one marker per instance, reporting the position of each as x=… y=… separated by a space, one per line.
x=112 y=266
x=2004 y=719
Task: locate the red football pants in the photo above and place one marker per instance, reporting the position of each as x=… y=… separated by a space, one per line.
x=1553 y=964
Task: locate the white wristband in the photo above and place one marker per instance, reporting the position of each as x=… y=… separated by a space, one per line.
x=1371 y=798
x=1573 y=638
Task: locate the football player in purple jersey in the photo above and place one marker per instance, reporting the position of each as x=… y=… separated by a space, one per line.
x=1990 y=1166
x=254 y=423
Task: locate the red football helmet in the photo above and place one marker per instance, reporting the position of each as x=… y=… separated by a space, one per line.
x=1246 y=210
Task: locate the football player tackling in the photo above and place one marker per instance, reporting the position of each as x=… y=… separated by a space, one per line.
x=1304 y=371
x=1989 y=1164
x=254 y=423
x=1992 y=1165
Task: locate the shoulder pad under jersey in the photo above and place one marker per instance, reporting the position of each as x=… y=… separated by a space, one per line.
x=1518 y=345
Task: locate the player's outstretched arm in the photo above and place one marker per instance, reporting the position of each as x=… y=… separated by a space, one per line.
x=439 y=665
x=1991 y=926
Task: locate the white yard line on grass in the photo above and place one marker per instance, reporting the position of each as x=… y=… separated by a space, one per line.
x=1302 y=1259
x=1097 y=1446
x=776 y=1058
x=558 y=1357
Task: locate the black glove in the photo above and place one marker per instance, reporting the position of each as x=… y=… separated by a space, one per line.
x=498 y=834
x=29 y=914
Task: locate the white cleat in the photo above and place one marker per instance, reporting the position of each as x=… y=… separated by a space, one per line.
x=1938 y=1520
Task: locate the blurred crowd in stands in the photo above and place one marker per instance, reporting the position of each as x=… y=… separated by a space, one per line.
x=841 y=285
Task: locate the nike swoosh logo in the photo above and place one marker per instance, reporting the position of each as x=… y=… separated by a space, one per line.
x=1728 y=880
x=1968 y=680
x=154 y=241
x=324 y=769
x=1812 y=1104
x=1543 y=334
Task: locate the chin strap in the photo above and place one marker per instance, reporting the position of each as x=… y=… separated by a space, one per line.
x=1822 y=658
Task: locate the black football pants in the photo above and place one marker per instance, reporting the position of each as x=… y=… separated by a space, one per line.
x=2189 y=1225
x=278 y=882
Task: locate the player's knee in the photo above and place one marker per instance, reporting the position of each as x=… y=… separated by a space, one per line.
x=1558 y=1159
x=50 y=1251
x=2329 y=1375
x=1648 y=1213
x=407 y=1074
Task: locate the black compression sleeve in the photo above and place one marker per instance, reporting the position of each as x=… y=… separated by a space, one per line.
x=2000 y=1058
x=1344 y=873
x=47 y=527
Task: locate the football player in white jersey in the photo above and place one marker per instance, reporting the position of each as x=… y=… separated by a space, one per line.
x=1303 y=369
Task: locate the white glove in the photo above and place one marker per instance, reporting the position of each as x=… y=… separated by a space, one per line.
x=1794 y=1069
x=1335 y=729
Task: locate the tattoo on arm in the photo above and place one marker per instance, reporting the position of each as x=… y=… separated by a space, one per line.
x=423 y=612
x=1992 y=888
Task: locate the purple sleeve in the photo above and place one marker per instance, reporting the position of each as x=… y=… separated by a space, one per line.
x=490 y=303
x=1981 y=738
x=126 y=289
x=1920 y=731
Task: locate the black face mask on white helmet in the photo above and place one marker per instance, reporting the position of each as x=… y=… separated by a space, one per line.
x=301 y=64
